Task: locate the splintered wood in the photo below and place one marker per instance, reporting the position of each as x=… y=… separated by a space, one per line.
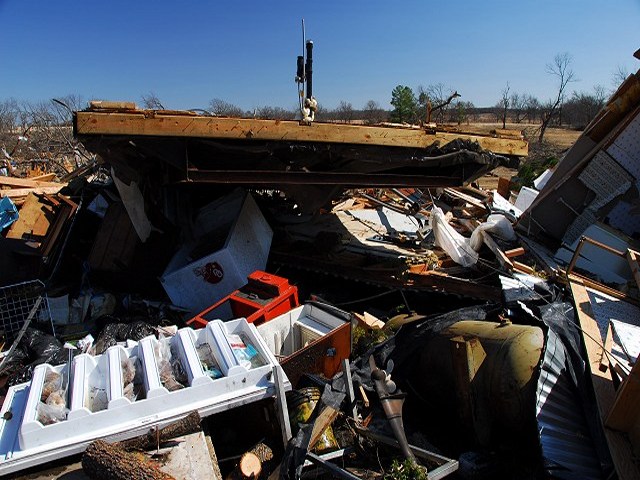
x=17 y=189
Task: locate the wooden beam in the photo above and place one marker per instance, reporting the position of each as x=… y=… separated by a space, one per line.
x=465 y=197
x=148 y=123
x=632 y=258
x=626 y=409
x=15 y=182
x=523 y=268
x=515 y=252
x=500 y=255
x=619 y=446
x=47 y=177
x=23 y=192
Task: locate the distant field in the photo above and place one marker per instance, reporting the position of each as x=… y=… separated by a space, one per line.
x=561 y=138
x=557 y=140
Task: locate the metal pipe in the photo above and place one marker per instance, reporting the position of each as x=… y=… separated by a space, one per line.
x=309 y=69
x=272 y=177
x=330 y=467
x=581 y=243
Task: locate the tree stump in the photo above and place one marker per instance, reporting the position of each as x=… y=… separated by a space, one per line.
x=251 y=462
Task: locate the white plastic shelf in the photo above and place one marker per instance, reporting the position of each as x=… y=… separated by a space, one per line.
x=118 y=417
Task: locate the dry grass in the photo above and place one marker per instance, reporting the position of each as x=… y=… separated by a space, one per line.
x=561 y=138
x=556 y=142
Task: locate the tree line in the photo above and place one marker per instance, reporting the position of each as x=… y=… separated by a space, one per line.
x=42 y=130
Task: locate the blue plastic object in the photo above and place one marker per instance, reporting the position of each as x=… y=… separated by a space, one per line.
x=8 y=212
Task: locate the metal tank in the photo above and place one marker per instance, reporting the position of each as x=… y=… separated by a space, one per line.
x=481 y=376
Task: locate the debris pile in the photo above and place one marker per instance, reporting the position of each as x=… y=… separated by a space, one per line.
x=348 y=303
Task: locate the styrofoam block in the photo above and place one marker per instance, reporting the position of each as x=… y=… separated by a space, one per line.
x=525 y=198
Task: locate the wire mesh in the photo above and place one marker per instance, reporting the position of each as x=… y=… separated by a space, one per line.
x=16 y=301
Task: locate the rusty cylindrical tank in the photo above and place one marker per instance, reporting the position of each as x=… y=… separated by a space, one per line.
x=482 y=376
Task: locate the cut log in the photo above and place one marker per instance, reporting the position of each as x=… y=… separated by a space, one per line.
x=184 y=426
x=105 y=461
x=252 y=462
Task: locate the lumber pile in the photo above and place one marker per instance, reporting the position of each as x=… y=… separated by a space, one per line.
x=17 y=189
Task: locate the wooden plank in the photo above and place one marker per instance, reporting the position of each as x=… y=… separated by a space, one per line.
x=16 y=182
x=157 y=124
x=632 y=258
x=515 y=252
x=47 y=177
x=500 y=255
x=587 y=282
x=626 y=408
x=504 y=187
x=467 y=198
x=322 y=421
x=23 y=192
x=34 y=220
x=619 y=447
x=111 y=105
x=523 y=268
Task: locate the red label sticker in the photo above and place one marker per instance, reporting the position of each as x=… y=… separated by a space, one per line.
x=211 y=272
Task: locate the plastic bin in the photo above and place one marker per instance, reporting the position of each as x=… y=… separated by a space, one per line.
x=233 y=240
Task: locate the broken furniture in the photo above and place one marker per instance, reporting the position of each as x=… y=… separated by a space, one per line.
x=103 y=403
x=41 y=220
x=309 y=339
x=264 y=297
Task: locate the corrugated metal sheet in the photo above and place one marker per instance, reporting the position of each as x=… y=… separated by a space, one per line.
x=520 y=288
x=564 y=433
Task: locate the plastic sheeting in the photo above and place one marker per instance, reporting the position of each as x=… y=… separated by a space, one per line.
x=496 y=224
x=8 y=212
x=456 y=246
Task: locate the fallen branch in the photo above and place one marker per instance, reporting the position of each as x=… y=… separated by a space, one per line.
x=154 y=437
x=106 y=461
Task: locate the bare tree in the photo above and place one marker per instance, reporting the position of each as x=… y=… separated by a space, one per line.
x=373 y=113
x=274 y=113
x=42 y=137
x=561 y=69
x=503 y=104
x=221 y=108
x=519 y=104
x=533 y=108
x=344 y=112
x=619 y=76
x=580 y=109
x=151 y=101
x=8 y=116
x=434 y=102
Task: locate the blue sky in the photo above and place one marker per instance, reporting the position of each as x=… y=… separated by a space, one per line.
x=188 y=52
